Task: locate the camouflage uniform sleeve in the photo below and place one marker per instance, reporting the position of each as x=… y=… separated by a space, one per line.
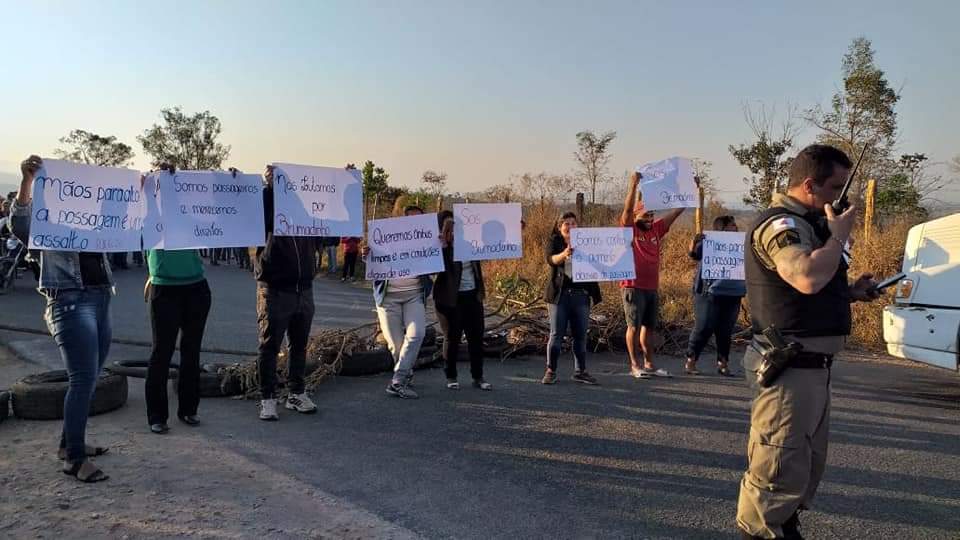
x=782 y=236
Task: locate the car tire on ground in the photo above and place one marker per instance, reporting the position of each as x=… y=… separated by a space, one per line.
x=367 y=363
x=41 y=396
x=211 y=382
x=4 y=405
x=138 y=368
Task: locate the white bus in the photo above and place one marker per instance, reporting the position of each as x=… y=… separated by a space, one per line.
x=923 y=324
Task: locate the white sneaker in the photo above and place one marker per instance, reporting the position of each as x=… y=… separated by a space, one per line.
x=268 y=409
x=300 y=403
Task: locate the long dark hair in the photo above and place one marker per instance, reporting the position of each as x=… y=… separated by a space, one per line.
x=561 y=219
x=721 y=222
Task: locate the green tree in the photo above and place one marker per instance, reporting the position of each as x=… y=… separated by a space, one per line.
x=93 y=149
x=185 y=141
x=765 y=157
x=897 y=196
x=593 y=154
x=863 y=113
x=374 y=179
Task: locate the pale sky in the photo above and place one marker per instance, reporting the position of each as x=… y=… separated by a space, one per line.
x=479 y=89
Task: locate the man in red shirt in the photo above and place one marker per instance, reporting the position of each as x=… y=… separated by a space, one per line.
x=640 y=301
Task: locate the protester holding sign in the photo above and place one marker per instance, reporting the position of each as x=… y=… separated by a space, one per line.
x=568 y=303
x=640 y=298
x=716 y=305
x=179 y=301
x=458 y=295
x=284 y=269
x=401 y=310
x=77 y=288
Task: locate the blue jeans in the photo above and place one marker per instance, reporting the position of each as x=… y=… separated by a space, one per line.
x=79 y=321
x=331 y=259
x=715 y=316
x=573 y=309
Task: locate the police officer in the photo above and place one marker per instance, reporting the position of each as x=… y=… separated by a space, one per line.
x=796 y=282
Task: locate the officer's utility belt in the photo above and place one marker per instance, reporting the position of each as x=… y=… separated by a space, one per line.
x=811 y=360
x=781 y=355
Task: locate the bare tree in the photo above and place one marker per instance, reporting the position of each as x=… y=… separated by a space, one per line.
x=501 y=193
x=593 y=154
x=765 y=157
x=434 y=182
x=543 y=188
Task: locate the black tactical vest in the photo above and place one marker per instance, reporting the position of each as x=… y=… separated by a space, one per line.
x=773 y=301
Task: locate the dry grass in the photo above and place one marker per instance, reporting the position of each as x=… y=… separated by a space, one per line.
x=525 y=279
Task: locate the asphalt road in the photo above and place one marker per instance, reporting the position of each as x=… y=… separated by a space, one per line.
x=232 y=323
x=626 y=459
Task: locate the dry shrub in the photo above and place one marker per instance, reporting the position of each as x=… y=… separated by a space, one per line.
x=882 y=255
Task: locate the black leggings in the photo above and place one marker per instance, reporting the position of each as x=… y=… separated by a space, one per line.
x=455 y=321
x=176 y=309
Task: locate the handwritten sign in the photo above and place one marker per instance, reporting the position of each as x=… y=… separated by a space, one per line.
x=722 y=255
x=316 y=201
x=486 y=232
x=153 y=219
x=86 y=208
x=668 y=184
x=602 y=253
x=208 y=209
x=403 y=247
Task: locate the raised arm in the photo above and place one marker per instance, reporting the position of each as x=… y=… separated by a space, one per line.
x=626 y=217
x=671 y=216
x=809 y=271
x=20 y=209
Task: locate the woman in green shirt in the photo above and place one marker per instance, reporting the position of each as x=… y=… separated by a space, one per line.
x=179 y=300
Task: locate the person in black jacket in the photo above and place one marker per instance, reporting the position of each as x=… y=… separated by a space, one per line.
x=284 y=269
x=568 y=303
x=458 y=295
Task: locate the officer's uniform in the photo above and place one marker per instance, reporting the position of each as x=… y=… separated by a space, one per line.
x=789 y=420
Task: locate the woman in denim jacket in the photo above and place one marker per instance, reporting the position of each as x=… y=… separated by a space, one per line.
x=77 y=287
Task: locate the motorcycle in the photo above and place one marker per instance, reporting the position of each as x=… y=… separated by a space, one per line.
x=15 y=260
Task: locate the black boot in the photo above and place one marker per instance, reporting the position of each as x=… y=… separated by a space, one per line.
x=791 y=527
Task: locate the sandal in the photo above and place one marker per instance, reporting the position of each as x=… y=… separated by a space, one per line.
x=690 y=367
x=91 y=477
x=91 y=451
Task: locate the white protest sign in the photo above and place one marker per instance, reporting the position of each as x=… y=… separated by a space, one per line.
x=208 y=209
x=668 y=184
x=152 y=220
x=403 y=247
x=85 y=208
x=486 y=232
x=316 y=201
x=722 y=255
x=602 y=253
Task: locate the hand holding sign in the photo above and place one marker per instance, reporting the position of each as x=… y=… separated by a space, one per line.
x=403 y=247
x=80 y=207
x=602 y=253
x=722 y=255
x=668 y=183
x=486 y=232
x=316 y=201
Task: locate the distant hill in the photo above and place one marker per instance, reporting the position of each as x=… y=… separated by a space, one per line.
x=8 y=182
